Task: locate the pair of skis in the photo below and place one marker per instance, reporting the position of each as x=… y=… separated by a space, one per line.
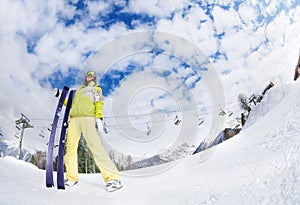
x=60 y=160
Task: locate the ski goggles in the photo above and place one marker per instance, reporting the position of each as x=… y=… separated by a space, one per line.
x=90 y=73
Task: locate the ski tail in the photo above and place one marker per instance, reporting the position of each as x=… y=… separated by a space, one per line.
x=60 y=160
x=49 y=162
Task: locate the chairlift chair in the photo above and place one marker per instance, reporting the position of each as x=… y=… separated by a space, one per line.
x=42 y=134
x=148 y=129
x=177 y=120
x=56 y=92
x=200 y=121
x=49 y=127
x=222 y=112
x=104 y=127
x=229 y=113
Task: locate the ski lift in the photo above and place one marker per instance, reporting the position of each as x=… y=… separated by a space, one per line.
x=200 y=121
x=177 y=121
x=42 y=134
x=229 y=113
x=56 y=92
x=54 y=146
x=269 y=86
x=49 y=127
x=222 y=112
x=255 y=99
x=104 y=127
x=17 y=132
x=148 y=129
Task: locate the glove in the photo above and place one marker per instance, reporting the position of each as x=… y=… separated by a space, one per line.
x=101 y=126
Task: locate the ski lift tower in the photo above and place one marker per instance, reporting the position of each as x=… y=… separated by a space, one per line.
x=24 y=121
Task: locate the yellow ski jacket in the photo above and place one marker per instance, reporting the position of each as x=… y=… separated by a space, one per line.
x=87 y=101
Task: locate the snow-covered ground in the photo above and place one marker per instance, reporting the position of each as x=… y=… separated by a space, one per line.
x=258 y=166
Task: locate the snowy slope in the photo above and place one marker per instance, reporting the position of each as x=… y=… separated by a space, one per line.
x=258 y=166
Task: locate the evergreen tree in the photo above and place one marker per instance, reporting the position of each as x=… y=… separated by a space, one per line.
x=86 y=163
x=39 y=159
x=243 y=101
x=81 y=155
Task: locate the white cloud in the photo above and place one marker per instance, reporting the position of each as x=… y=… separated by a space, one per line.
x=98 y=7
x=256 y=51
x=273 y=7
x=225 y=20
x=248 y=14
x=275 y=29
x=32 y=18
x=63 y=44
x=157 y=8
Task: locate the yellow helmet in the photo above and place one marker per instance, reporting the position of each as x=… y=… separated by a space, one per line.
x=90 y=73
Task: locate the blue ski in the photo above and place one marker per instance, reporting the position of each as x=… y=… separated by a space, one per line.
x=60 y=160
x=49 y=163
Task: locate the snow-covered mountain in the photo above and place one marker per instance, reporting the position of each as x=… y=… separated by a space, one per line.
x=7 y=149
x=260 y=165
x=168 y=155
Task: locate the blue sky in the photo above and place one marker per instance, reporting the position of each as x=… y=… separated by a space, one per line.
x=49 y=44
x=117 y=13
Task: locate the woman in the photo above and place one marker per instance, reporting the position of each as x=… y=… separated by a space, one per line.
x=86 y=109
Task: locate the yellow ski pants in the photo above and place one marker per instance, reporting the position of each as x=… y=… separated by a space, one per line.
x=86 y=126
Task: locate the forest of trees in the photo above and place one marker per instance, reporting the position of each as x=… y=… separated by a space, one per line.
x=86 y=163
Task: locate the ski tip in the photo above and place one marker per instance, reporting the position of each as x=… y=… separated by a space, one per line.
x=66 y=88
